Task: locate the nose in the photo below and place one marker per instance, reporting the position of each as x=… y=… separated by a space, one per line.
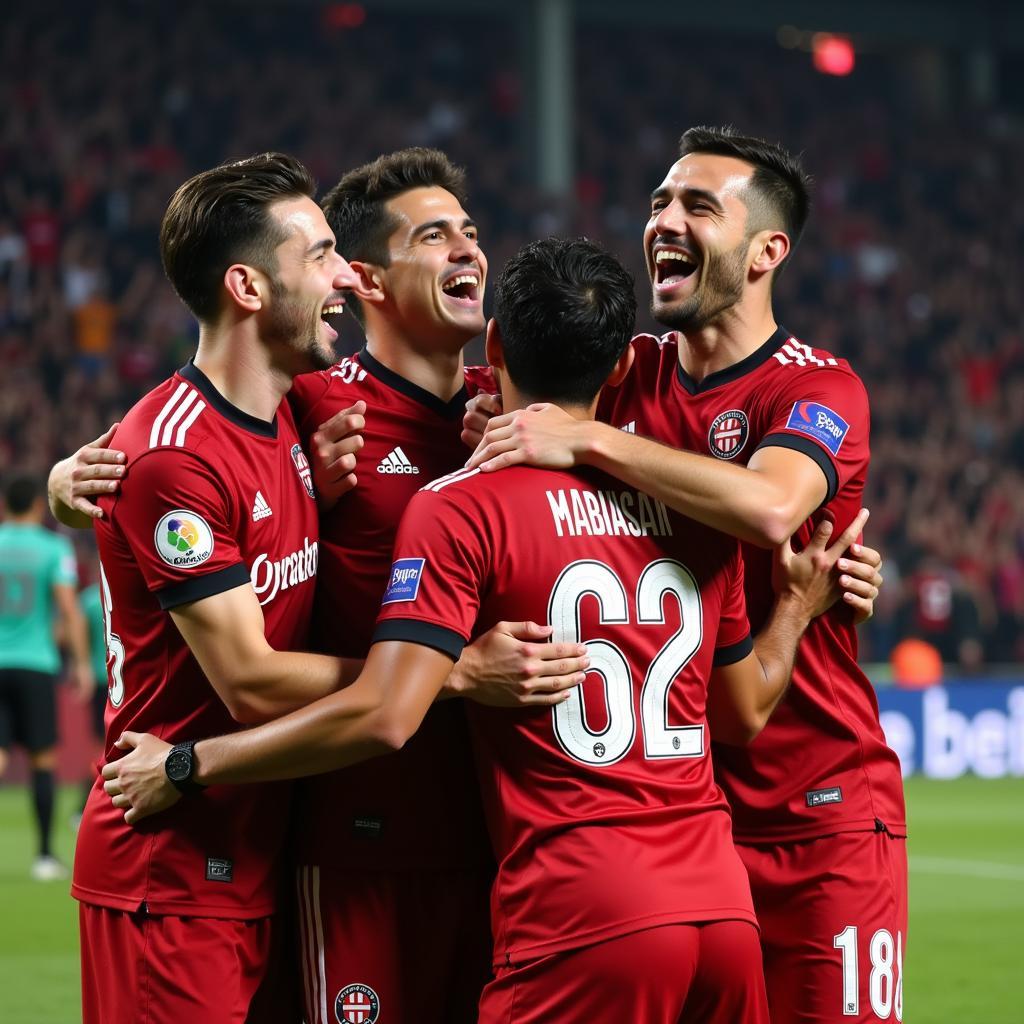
x=465 y=250
x=345 y=277
x=671 y=219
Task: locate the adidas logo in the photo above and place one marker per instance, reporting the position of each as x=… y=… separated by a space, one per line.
x=260 y=508
x=396 y=462
x=630 y=427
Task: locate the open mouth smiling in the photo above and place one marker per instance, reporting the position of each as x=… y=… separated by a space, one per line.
x=463 y=287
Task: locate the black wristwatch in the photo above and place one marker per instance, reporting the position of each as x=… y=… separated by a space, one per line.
x=180 y=766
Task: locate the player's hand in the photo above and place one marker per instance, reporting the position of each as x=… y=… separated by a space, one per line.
x=861 y=580
x=513 y=665
x=84 y=682
x=137 y=783
x=811 y=577
x=479 y=410
x=333 y=450
x=94 y=469
x=539 y=435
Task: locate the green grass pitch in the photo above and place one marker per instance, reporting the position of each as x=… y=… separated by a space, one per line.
x=963 y=962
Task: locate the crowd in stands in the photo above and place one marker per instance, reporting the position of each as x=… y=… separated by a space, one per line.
x=905 y=270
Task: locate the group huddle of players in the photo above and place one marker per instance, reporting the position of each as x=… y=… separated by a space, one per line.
x=629 y=817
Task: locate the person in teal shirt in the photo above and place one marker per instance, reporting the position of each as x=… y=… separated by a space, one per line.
x=37 y=597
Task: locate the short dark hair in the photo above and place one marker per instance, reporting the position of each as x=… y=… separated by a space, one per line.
x=355 y=209
x=220 y=217
x=779 y=180
x=20 y=494
x=565 y=310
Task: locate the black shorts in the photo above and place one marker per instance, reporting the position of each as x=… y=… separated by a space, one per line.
x=28 y=709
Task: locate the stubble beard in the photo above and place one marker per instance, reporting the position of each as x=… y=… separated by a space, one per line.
x=292 y=327
x=721 y=289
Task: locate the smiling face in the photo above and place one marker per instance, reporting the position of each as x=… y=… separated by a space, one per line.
x=697 y=240
x=308 y=286
x=436 y=275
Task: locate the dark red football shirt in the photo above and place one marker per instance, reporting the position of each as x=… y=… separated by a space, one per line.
x=418 y=808
x=212 y=498
x=822 y=764
x=604 y=813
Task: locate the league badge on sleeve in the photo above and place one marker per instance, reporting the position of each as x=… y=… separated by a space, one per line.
x=404 y=584
x=820 y=422
x=183 y=539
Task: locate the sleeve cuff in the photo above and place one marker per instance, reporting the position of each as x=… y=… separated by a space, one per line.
x=427 y=634
x=198 y=587
x=733 y=653
x=812 y=451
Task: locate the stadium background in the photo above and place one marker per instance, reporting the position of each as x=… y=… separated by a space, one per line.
x=565 y=116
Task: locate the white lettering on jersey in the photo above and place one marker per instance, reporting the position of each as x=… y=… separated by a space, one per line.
x=607 y=514
x=269 y=578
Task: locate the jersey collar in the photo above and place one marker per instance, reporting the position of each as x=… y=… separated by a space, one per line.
x=737 y=370
x=452 y=409
x=203 y=385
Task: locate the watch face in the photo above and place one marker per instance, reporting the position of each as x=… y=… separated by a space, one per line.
x=178 y=765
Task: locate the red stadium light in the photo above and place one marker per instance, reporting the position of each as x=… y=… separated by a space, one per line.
x=833 y=55
x=342 y=16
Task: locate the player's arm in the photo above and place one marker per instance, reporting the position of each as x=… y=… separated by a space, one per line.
x=763 y=502
x=76 y=632
x=742 y=696
x=73 y=482
x=225 y=632
x=376 y=714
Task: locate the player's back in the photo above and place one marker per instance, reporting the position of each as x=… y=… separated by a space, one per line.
x=603 y=811
x=32 y=560
x=212 y=499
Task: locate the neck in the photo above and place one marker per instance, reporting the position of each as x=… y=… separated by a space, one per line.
x=28 y=519
x=240 y=367
x=439 y=371
x=512 y=398
x=733 y=336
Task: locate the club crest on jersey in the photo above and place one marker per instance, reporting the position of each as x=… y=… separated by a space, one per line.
x=302 y=466
x=356 y=1004
x=820 y=422
x=728 y=434
x=183 y=539
x=404 y=584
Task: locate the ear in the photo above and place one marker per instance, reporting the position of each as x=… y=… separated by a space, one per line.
x=494 y=351
x=770 y=249
x=371 y=282
x=622 y=367
x=246 y=287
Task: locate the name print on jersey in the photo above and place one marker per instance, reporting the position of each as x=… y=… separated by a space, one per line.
x=269 y=578
x=608 y=514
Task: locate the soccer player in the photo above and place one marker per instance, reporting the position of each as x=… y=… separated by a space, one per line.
x=761 y=436
x=209 y=559
x=388 y=899
x=38 y=579
x=619 y=894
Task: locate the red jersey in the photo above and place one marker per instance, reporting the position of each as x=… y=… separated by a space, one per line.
x=821 y=765
x=211 y=498
x=418 y=808
x=603 y=812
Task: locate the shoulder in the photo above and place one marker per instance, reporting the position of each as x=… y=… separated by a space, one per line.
x=173 y=416
x=797 y=359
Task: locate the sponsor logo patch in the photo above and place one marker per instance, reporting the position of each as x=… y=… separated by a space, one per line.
x=219 y=869
x=365 y=827
x=820 y=797
x=819 y=422
x=302 y=467
x=183 y=539
x=356 y=1004
x=728 y=434
x=404 y=585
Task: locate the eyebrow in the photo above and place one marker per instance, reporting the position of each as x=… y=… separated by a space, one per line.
x=691 y=193
x=317 y=247
x=442 y=224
